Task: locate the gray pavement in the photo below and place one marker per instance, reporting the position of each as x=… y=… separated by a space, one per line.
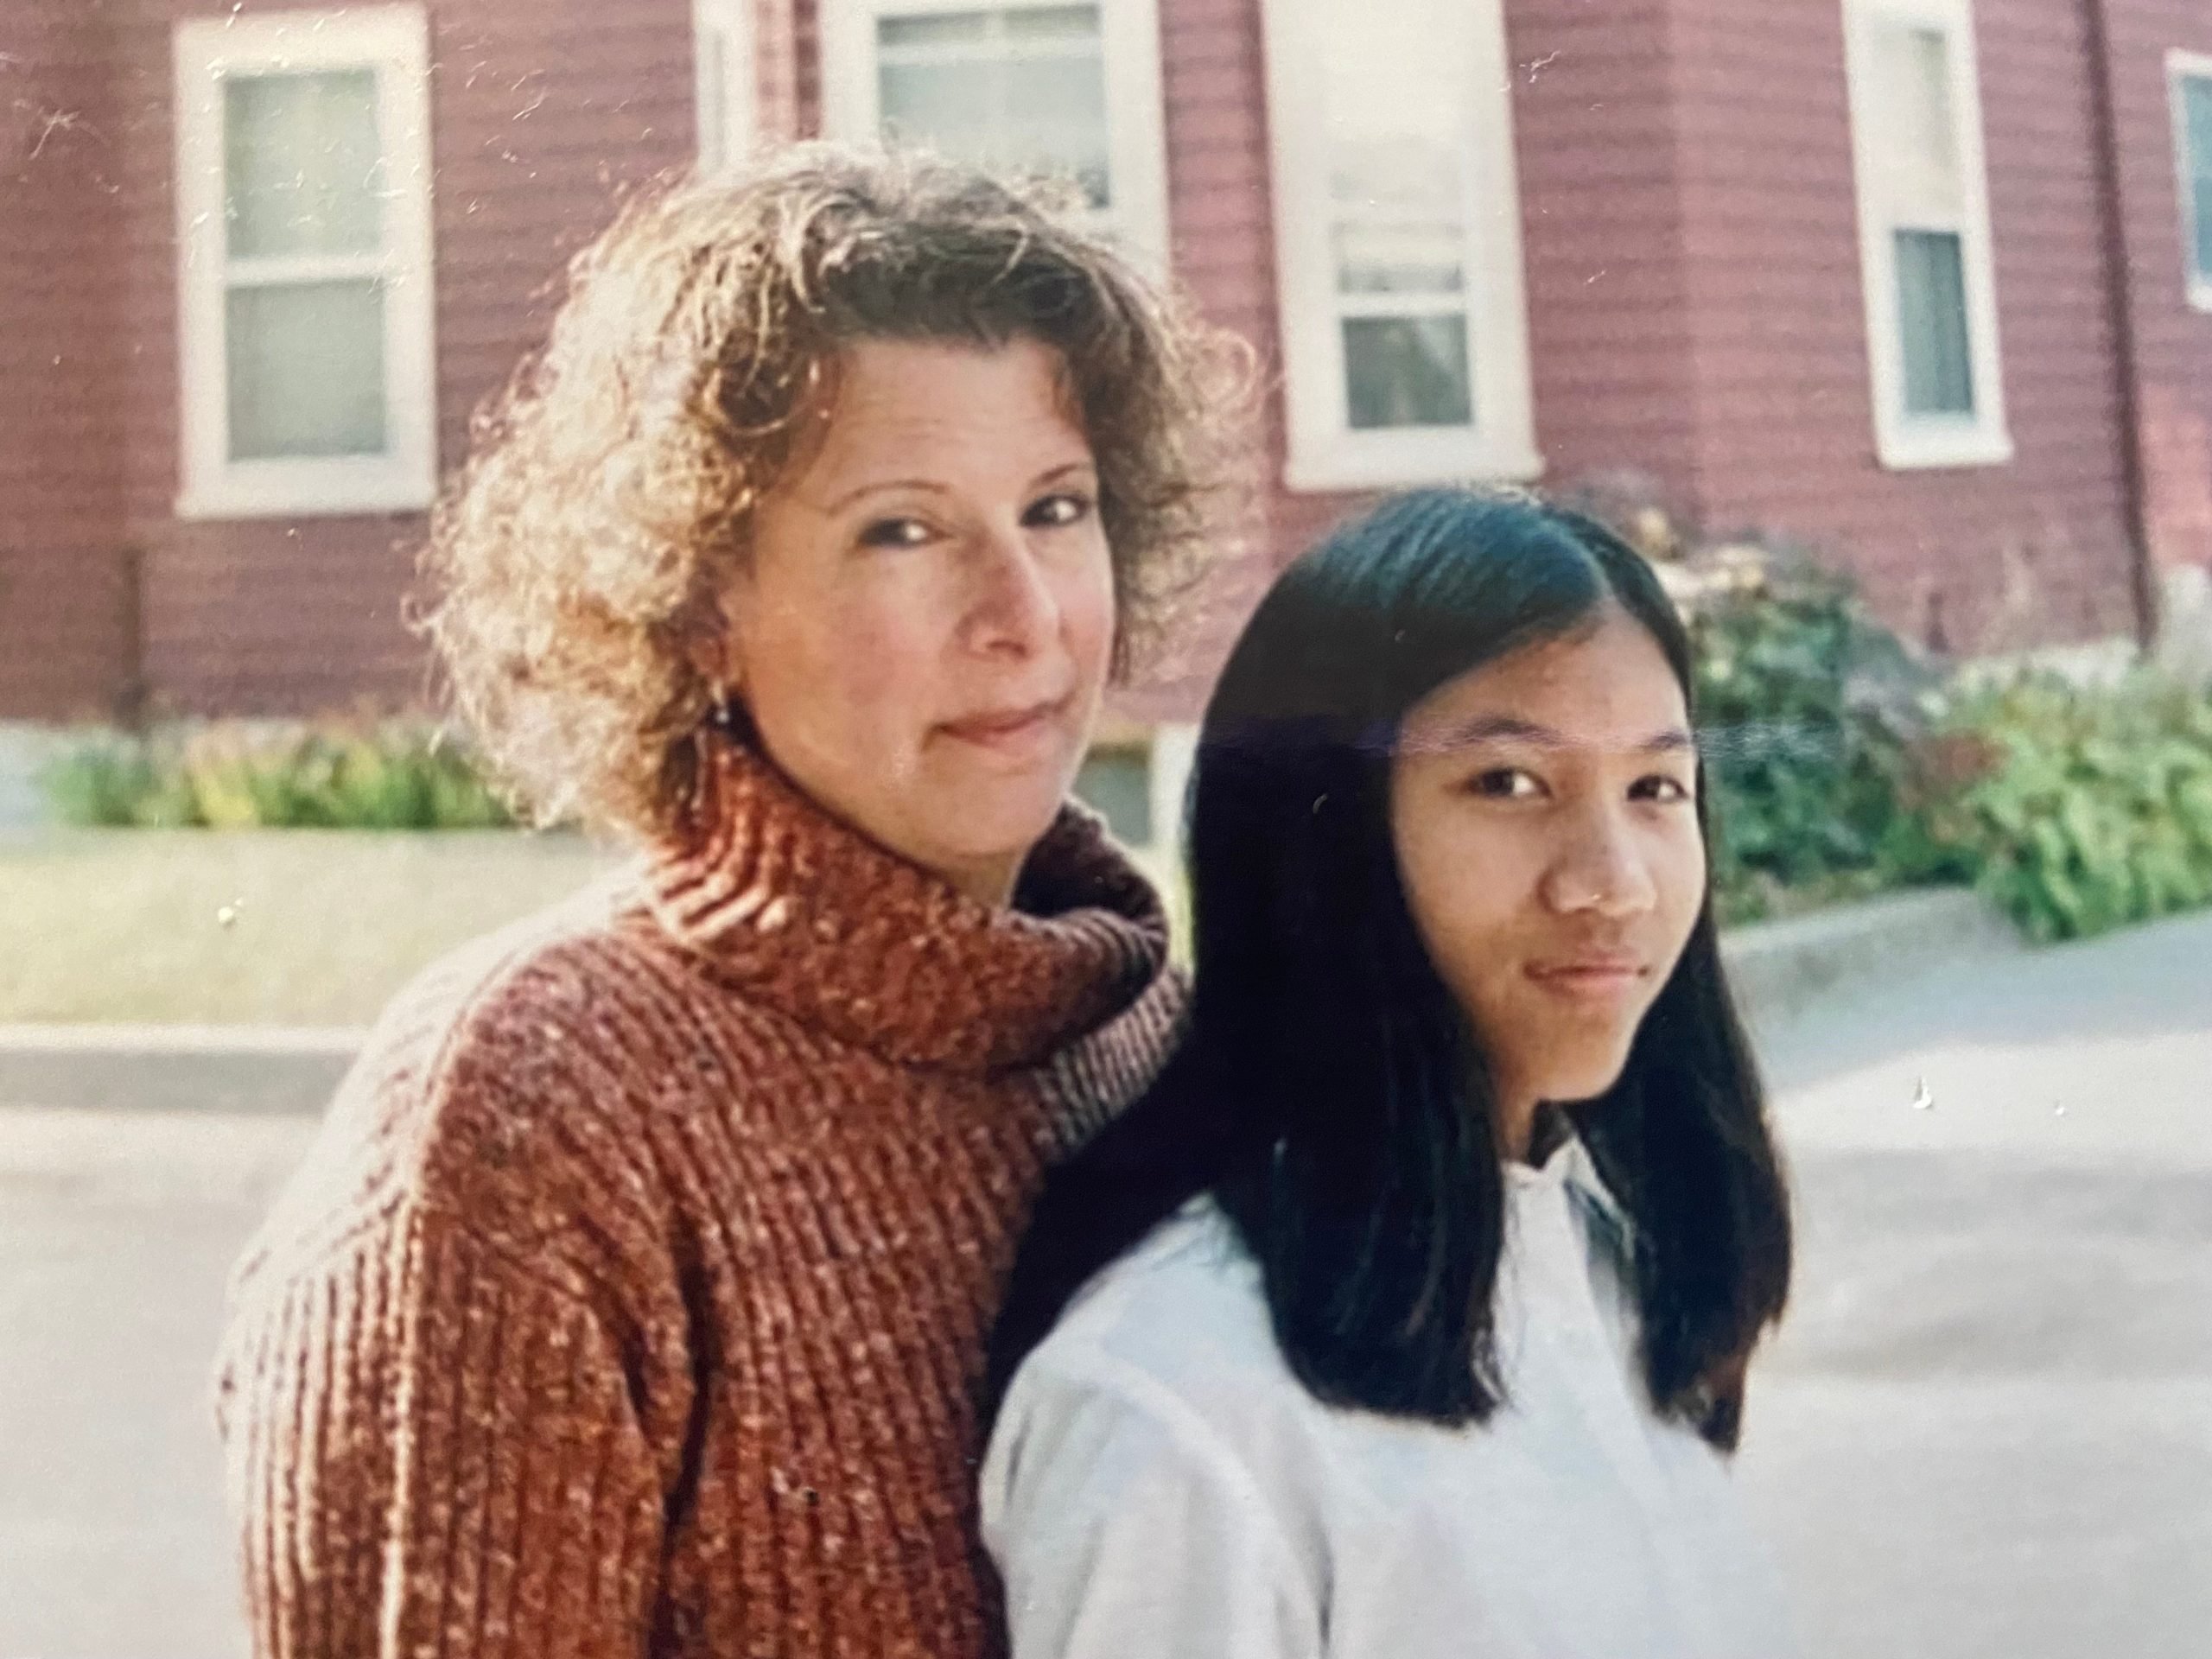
x=1986 y=1430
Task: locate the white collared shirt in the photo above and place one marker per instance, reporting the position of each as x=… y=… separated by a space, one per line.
x=1160 y=1486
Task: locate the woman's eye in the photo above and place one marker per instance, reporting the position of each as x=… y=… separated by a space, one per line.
x=895 y=532
x=1055 y=511
x=1504 y=784
x=1667 y=791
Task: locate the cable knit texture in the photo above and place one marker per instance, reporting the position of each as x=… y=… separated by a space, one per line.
x=633 y=1297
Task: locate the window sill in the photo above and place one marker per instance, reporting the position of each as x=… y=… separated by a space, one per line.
x=1931 y=451
x=366 y=498
x=1460 y=462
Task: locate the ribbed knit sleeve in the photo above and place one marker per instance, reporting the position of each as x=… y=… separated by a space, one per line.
x=433 y=1450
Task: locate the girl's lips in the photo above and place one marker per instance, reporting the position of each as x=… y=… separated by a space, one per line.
x=1591 y=979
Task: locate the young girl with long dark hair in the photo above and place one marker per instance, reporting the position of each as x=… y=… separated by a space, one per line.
x=1408 y=1316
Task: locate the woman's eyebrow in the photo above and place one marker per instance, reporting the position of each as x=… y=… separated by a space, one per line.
x=1067 y=468
x=922 y=485
x=1492 y=728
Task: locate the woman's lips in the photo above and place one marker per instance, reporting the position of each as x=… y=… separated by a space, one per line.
x=1011 y=731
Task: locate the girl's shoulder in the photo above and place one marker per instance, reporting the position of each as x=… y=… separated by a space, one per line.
x=1182 y=1316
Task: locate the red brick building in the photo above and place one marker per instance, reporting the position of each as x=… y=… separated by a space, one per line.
x=1927 y=284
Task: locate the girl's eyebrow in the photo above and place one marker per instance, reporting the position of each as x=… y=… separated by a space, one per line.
x=1491 y=728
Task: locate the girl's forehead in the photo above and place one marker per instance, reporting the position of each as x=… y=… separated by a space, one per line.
x=1608 y=687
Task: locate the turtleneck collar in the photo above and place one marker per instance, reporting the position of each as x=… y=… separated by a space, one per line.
x=814 y=918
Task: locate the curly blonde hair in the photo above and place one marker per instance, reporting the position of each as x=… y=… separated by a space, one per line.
x=574 y=564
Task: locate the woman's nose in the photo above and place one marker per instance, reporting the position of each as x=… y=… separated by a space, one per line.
x=1014 y=610
x=1600 y=867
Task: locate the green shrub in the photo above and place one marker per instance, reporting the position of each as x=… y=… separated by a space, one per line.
x=335 y=775
x=2078 y=808
x=1807 y=706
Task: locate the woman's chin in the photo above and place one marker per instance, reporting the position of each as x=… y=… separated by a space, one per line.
x=996 y=829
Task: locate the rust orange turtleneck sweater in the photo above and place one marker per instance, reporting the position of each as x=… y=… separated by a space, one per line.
x=634 y=1294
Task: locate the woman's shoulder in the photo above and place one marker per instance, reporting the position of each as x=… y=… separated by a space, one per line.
x=498 y=1079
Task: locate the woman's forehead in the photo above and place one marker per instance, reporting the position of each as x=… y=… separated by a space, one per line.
x=926 y=404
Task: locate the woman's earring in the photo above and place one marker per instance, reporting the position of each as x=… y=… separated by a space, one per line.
x=728 y=715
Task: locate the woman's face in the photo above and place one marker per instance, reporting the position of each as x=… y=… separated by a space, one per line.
x=1543 y=812
x=923 y=631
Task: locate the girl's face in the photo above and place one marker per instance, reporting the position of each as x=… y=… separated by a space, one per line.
x=1542 y=807
x=924 y=628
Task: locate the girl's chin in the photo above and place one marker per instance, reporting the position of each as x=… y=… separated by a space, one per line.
x=1583 y=1078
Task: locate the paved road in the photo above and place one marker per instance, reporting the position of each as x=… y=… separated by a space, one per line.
x=1988 y=1430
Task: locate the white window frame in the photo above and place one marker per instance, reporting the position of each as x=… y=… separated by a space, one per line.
x=1903 y=441
x=722 y=85
x=1136 y=137
x=393 y=40
x=2183 y=67
x=1324 y=451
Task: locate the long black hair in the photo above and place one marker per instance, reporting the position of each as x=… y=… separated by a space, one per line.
x=1330 y=1091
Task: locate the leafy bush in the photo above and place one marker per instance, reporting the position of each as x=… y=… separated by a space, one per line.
x=1808 y=707
x=2077 y=808
x=351 y=775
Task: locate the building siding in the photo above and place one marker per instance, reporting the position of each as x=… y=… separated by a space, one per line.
x=1690 y=233
x=540 y=116
x=2172 y=341
x=1979 y=558
x=68 y=646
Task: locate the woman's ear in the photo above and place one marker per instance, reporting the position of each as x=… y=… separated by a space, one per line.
x=713 y=649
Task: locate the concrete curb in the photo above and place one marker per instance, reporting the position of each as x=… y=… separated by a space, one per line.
x=1777 y=969
x=252 y=1069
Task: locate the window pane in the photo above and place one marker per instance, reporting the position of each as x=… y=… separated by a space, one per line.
x=302 y=166
x=1023 y=90
x=934 y=28
x=1052 y=24
x=1375 y=254
x=2196 y=104
x=1406 y=372
x=306 y=370
x=1915 y=133
x=1932 y=318
x=1394 y=113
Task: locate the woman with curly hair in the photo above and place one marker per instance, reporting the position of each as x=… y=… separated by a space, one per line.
x=634 y=1296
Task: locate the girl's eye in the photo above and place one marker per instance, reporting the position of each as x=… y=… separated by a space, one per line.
x=895 y=532
x=1667 y=791
x=1057 y=512
x=1504 y=784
